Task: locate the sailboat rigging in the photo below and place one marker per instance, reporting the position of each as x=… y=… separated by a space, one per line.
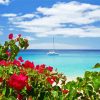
x=52 y=52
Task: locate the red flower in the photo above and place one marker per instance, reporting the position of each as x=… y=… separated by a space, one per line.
x=8 y=53
x=46 y=74
x=18 y=82
x=1 y=79
x=17 y=63
x=19 y=97
x=65 y=91
x=22 y=71
x=3 y=63
x=40 y=68
x=28 y=87
x=28 y=64
x=54 y=78
x=20 y=59
x=49 y=68
x=50 y=80
x=8 y=63
x=10 y=36
x=19 y=35
x=37 y=67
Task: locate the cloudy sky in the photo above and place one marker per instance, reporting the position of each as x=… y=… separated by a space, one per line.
x=74 y=24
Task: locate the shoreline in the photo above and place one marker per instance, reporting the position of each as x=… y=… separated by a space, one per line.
x=71 y=78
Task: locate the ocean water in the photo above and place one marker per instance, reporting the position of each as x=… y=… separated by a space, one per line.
x=72 y=63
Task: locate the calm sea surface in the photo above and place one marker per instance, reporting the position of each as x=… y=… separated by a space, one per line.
x=72 y=63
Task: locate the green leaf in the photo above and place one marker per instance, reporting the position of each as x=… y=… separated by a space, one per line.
x=54 y=93
x=56 y=88
x=8 y=98
x=11 y=98
x=10 y=70
x=1 y=71
x=4 y=91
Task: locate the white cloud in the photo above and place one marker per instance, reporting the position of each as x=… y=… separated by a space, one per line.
x=4 y=2
x=73 y=12
x=80 y=32
x=12 y=17
x=27 y=16
x=9 y=15
x=17 y=17
x=87 y=31
x=56 y=19
x=29 y=38
x=57 y=45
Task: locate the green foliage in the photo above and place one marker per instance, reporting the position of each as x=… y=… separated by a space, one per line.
x=97 y=65
x=13 y=45
x=86 y=88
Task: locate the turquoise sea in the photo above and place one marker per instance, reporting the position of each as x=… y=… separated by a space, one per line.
x=72 y=63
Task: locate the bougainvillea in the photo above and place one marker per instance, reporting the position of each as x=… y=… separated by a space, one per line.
x=11 y=36
x=18 y=82
x=23 y=80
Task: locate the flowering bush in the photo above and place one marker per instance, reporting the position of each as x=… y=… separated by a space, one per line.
x=23 y=80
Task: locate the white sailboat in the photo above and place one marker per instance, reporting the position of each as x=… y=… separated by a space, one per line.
x=52 y=52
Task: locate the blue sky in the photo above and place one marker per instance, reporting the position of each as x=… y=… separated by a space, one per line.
x=74 y=24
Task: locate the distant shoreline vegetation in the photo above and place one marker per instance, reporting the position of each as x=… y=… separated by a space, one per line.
x=97 y=65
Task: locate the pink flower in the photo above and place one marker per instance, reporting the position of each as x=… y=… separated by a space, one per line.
x=1 y=79
x=28 y=64
x=18 y=82
x=65 y=91
x=20 y=59
x=8 y=63
x=54 y=78
x=19 y=97
x=37 y=67
x=50 y=80
x=8 y=53
x=17 y=63
x=40 y=68
x=10 y=36
x=49 y=68
x=22 y=71
x=28 y=87
x=3 y=63
x=19 y=35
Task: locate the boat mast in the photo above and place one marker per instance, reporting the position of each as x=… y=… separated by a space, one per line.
x=53 y=43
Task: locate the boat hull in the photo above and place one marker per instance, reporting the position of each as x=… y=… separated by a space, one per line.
x=52 y=53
